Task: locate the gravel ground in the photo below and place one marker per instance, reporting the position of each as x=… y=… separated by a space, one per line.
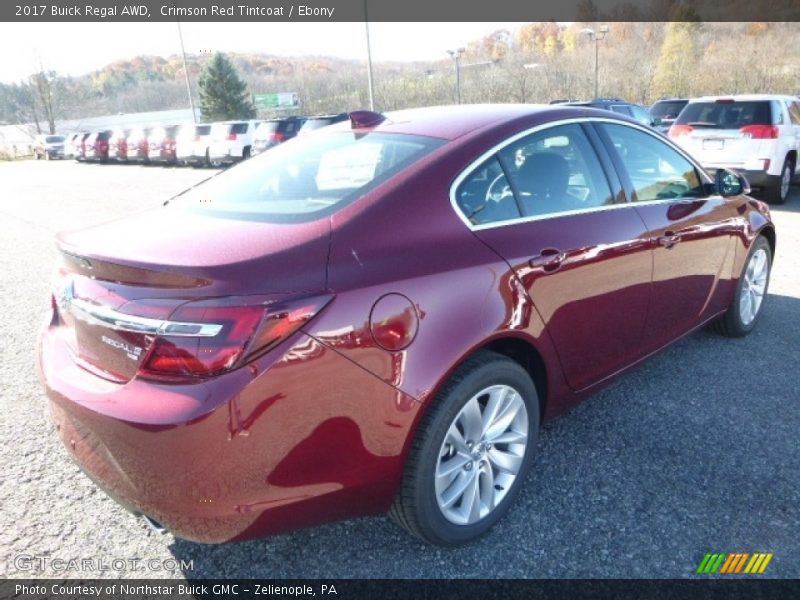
x=694 y=452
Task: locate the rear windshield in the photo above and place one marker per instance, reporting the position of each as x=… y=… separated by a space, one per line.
x=54 y=139
x=307 y=179
x=202 y=130
x=726 y=115
x=668 y=109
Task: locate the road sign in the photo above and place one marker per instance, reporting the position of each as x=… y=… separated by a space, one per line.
x=277 y=101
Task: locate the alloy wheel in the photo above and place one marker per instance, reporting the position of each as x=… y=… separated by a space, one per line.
x=754 y=286
x=481 y=455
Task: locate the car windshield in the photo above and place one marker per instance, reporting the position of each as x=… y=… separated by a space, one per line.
x=305 y=179
x=667 y=109
x=726 y=114
x=54 y=139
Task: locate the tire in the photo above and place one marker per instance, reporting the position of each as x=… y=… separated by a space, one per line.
x=246 y=153
x=432 y=508
x=779 y=193
x=740 y=319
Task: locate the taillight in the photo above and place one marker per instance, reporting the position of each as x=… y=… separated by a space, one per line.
x=679 y=130
x=278 y=137
x=206 y=338
x=231 y=137
x=760 y=132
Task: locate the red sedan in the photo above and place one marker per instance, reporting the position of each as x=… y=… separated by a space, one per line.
x=377 y=318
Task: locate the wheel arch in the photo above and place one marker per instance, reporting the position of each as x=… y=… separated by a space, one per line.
x=769 y=233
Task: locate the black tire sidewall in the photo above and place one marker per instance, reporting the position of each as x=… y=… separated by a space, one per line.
x=430 y=517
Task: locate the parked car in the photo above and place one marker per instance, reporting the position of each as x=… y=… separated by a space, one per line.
x=231 y=141
x=79 y=146
x=314 y=123
x=275 y=131
x=664 y=112
x=617 y=105
x=138 y=146
x=757 y=135
x=192 y=145
x=96 y=146
x=118 y=145
x=161 y=145
x=49 y=146
x=69 y=145
x=378 y=317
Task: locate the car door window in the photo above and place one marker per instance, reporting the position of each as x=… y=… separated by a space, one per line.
x=555 y=171
x=794 y=112
x=657 y=171
x=485 y=196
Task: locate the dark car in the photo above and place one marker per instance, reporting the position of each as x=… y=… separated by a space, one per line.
x=49 y=146
x=617 y=105
x=377 y=317
x=161 y=145
x=664 y=112
x=274 y=132
x=96 y=146
x=314 y=123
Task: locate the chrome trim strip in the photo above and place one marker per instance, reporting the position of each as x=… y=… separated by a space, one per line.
x=473 y=166
x=103 y=315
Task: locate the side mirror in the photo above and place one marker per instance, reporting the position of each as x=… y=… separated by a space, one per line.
x=727 y=183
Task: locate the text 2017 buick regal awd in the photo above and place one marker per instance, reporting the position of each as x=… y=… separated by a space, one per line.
x=377 y=318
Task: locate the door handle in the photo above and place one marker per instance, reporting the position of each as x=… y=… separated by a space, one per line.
x=549 y=260
x=669 y=239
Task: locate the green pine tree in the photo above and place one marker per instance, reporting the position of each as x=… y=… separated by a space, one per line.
x=223 y=96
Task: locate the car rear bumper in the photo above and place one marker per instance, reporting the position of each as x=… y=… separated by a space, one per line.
x=260 y=450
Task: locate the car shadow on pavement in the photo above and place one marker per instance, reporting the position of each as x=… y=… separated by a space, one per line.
x=694 y=451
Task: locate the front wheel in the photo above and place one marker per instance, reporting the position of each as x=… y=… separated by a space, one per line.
x=471 y=452
x=751 y=291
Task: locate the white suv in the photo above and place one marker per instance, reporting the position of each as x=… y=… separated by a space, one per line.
x=231 y=141
x=757 y=135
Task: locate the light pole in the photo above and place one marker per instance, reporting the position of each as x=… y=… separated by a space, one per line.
x=370 y=84
x=186 y=74
x=596 y=36
x=456 y=56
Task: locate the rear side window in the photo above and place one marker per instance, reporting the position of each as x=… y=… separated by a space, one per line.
x=304 y=181
x=485 y=196
x=657 y=171
x=726 y=114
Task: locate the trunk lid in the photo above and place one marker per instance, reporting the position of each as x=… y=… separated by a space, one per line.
x=118 y=282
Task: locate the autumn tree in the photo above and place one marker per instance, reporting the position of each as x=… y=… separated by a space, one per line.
x=223 y=95
x=675 y=69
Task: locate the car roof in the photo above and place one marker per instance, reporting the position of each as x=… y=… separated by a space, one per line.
x=452 y=122
x=743 y=97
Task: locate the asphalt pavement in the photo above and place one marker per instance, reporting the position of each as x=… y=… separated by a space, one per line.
x=694 y=452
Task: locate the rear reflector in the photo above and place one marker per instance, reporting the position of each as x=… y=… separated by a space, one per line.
x=760 y=132
x=679 y=130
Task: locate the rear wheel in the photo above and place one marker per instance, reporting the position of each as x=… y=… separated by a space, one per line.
x=751 y=291
x=779 y=193
x=471 y=452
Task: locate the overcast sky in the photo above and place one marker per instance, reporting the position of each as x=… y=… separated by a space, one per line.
x=78 y=48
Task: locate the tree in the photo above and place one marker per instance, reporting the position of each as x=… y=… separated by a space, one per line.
x=676 y=65
x=223 y=95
